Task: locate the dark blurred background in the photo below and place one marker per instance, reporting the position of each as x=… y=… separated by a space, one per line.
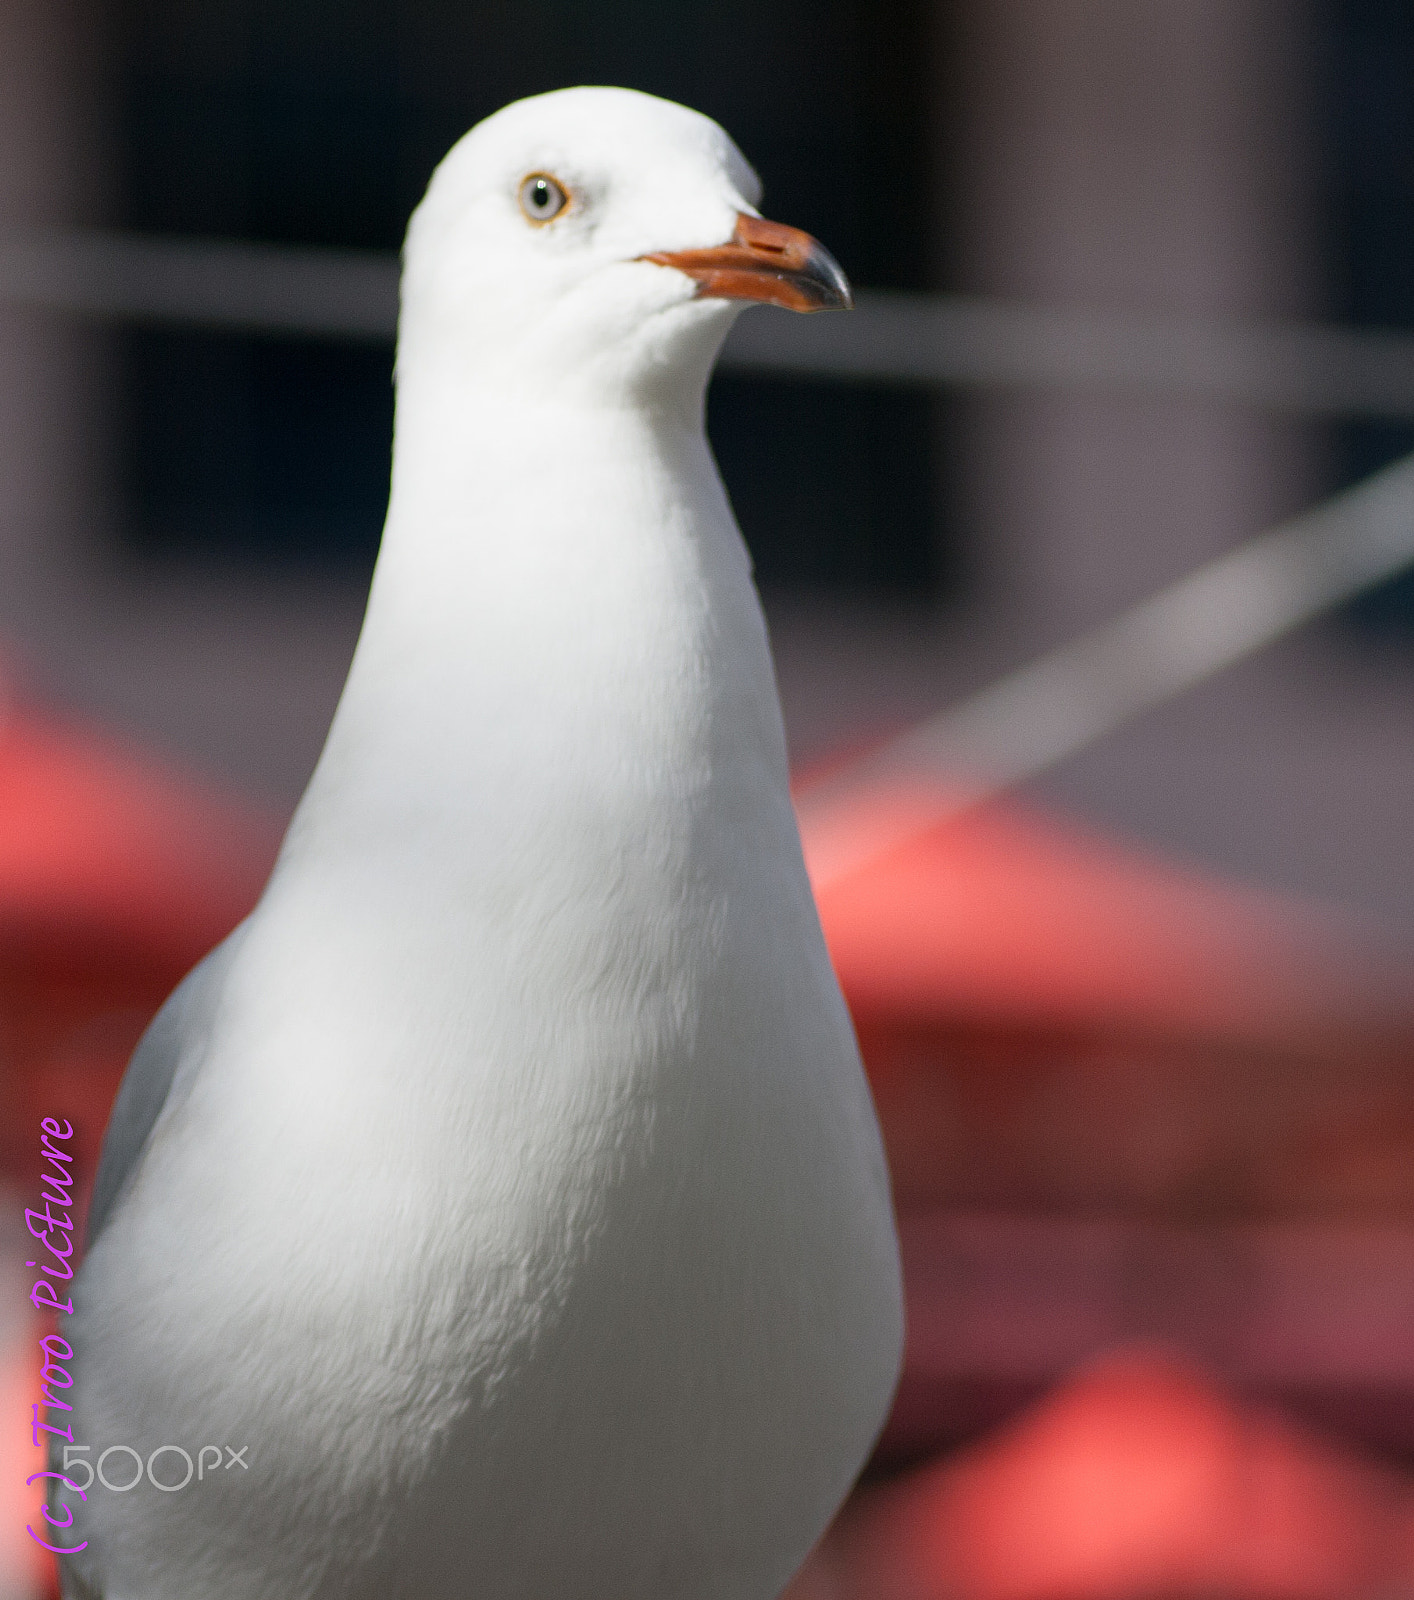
x=307 y=123
x=1365 y=89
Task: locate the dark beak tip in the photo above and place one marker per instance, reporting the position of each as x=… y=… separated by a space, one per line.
x=826 y=278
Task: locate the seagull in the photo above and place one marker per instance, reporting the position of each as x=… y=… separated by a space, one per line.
x=505 y=1193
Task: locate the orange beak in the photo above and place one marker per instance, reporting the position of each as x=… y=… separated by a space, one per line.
x=765 y=261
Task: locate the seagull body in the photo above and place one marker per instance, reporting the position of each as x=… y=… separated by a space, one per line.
x=507 y=1185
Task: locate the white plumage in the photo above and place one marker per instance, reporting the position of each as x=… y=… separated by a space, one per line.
x=508 y=1184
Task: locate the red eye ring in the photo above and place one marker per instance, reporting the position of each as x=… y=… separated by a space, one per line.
x=542 y=198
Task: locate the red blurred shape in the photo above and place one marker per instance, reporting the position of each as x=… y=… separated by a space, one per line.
x=1007 y=917
x=1122 y=1099
x=1138 y=1477
x=116 y=876
x=1053 y=1021
x=104 y=851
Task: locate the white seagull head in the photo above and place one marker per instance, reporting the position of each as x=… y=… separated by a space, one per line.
x=594 y=245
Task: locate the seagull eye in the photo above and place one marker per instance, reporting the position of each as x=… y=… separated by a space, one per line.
x=542 y=198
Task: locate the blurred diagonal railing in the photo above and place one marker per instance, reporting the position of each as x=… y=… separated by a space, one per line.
x=1053 y=707
x=1032 y=718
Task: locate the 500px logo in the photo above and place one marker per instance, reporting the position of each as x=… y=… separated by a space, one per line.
x=199 y=1469
x=130 y=1460
x=53 y=1228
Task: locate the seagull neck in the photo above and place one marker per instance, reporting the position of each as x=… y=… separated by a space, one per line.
x=562 y=608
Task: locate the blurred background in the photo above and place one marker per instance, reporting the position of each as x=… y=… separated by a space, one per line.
x=1138 y=286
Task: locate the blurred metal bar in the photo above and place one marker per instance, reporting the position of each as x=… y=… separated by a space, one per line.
x=891 y=338
x=952 y=340
x=254 y=288
x=1052 y=708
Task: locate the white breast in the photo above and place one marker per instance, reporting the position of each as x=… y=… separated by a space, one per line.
x=533 y=1226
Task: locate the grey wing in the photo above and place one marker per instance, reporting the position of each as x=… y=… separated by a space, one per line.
x=177 y=1035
